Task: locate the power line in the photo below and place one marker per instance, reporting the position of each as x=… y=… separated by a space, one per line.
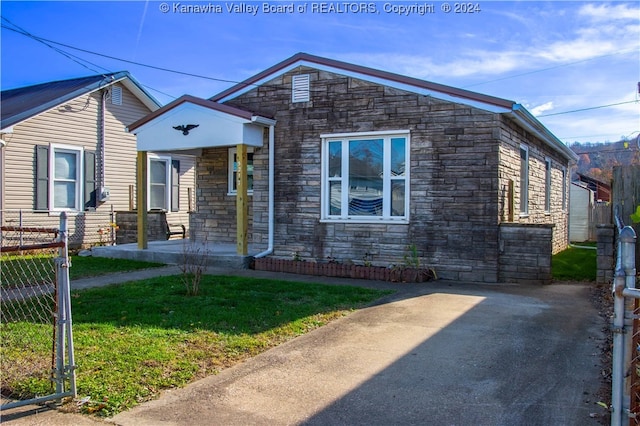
x=549 y=68
x=590 y=108
x=41 y=39
x=74 y=58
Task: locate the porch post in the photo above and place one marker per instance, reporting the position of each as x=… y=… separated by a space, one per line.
x=141 y=195
x=241 y=201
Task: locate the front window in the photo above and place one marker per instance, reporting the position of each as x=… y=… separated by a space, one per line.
x=159 y=183
x=365 y=177
x=66 y=184
x=233 y=171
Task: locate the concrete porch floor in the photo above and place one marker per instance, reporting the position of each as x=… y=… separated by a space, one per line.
x=174 y=251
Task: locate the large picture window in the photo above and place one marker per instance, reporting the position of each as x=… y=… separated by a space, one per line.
x=365 y=177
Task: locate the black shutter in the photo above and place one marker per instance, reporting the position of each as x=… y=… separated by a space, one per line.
x=41 y=199
x=90 y=196
x=175 y=185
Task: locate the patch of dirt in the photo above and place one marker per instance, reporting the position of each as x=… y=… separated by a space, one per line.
x=602 y=300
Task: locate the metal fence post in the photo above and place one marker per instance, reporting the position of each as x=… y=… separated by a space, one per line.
x=65 y=364
x=618 y=365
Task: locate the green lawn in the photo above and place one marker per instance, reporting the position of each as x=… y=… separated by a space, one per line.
x=30 y=269
x=574 y=264
x=83 y=267
x=136 y=339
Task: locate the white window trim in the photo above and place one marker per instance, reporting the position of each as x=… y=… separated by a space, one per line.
x=79 y=152
x=345 y=137
x=564 y=189
x=524 y=186
x=167 y=181
x=230 y=190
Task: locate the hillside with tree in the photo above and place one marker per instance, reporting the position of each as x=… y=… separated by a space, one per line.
x=597 y=160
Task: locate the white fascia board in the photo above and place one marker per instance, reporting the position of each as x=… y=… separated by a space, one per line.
x=372 y=79
x=531 y=124
x=215 y=129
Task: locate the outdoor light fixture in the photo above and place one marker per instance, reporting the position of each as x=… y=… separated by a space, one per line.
x=185 y=128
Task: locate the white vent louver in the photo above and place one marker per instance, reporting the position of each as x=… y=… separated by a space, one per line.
x=116 y=95
x=300 y=88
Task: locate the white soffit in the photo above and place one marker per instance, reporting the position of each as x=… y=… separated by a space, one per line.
x=214 y=129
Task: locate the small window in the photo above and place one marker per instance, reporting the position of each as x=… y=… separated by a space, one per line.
x=524 y=179
x=116 y=95
x=300 y=88
x=66 y=178
x=564 y=188
x=159 y=178
x=233 y=171
x=547 y=185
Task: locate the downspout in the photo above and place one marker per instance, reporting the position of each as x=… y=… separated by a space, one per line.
x=99 y=195
x=271 y=215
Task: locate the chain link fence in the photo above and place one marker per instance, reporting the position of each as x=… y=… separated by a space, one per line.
x=86 y=229
x=36 y=343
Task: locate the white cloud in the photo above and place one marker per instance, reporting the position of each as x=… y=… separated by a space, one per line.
x=607 y=12
x=542 y=108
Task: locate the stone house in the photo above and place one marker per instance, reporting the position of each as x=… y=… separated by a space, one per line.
x=332 y=160
x=63 y=147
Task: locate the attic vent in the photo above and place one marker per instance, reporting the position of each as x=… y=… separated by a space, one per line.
x=300 y=88
x=116 y=95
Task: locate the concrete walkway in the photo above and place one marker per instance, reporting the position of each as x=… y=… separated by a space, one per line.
x=439 y=353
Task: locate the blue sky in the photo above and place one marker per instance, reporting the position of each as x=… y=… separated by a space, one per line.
x=553 y=57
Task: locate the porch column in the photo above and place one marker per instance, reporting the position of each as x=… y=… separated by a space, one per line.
x=141 y=195
x=242 y=220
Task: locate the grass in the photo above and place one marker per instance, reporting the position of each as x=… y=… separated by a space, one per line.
x=574 y=264
x=31 y=269
x=84 y=267
x=134 y=340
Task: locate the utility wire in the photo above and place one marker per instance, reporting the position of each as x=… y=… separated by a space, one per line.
x=43 y=40
x=70 y=56
x=549 y=68
x=590 y=108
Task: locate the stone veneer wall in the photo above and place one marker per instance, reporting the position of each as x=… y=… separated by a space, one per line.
x=605 y=260
x=127 y=222
x=525 y=253
x=456 y=153
x=511 y=137
x=215 y=219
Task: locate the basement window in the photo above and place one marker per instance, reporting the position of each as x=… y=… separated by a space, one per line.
x=300 y=88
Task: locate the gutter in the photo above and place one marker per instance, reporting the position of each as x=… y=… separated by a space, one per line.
x=531 y=124
x=271 y=215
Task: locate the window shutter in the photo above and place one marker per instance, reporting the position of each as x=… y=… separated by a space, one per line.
x=90 y=200
x=175 y=185
x=42 y=178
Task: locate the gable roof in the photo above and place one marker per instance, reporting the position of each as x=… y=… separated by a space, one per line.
x=362 y=72
x=227 y=109
x=491 y=103
x=25 y=102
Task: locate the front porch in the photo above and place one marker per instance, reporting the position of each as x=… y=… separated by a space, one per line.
x=174 y=251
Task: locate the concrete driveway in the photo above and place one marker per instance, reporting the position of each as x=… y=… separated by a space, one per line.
x=440 y=353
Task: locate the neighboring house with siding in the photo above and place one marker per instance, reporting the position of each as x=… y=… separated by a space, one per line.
x=64 y=148
x=359 y=163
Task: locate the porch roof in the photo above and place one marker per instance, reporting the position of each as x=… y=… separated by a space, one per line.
x=190 y=123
